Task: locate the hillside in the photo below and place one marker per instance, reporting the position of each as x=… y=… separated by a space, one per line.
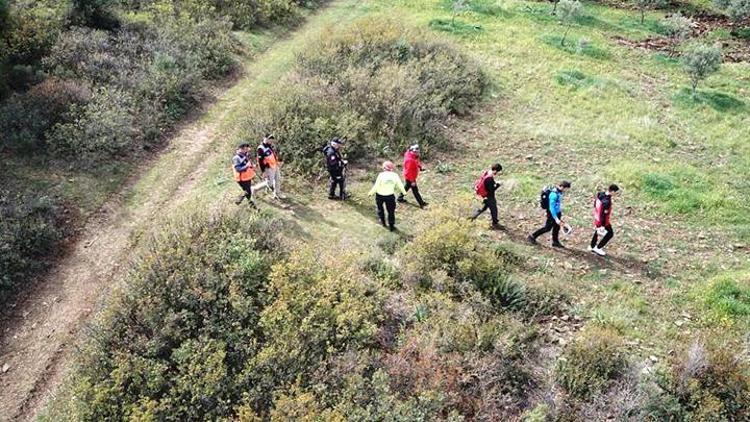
x=309 y=309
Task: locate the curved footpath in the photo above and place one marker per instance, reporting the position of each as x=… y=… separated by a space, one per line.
x=39 y=334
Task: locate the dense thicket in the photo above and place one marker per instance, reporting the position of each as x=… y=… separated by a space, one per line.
x=88 y=84
x=377 y=83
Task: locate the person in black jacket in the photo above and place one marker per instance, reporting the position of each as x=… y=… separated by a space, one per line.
x=490 y=202
x=336 y=166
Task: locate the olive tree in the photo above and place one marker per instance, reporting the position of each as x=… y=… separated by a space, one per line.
x=735 y=9
x=643 y=5
x=569 y=11
x=677 y=28
x=700 y=61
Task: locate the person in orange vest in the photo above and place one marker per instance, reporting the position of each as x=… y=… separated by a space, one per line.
x=244 y=171
x=412 y=167
x=269 y=163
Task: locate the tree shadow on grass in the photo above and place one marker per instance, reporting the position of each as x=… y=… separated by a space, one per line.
x=719 y=101
x=575 y=46
x=456 y=27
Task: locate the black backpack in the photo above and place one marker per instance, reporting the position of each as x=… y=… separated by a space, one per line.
x=544 y=197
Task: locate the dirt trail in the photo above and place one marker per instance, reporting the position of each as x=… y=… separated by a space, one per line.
x=39 y=333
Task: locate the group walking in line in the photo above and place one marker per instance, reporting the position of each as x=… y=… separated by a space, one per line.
x=388 y=185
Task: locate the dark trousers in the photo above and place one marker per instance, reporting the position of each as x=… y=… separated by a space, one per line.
x=337 y=180
x=390 y=204
x=490 y=203
x=607 y=237
x=413 y=186
x=552 y=225
x=247 y=186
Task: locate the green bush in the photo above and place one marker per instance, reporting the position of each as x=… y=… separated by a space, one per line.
x=590 y=362
x=377 y=83
x=29 y=230
x=174 y=344
x=729 y=294
x=703 y=383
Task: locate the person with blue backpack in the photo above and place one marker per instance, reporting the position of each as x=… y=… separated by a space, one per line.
x=551 y=201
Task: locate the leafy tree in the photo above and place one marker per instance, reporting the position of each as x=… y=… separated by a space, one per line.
x=701 y=60
x=735 y=9
x=570 y=10
x=457 y=6
x=678 y=28
x=648 y=4
x=93 y=13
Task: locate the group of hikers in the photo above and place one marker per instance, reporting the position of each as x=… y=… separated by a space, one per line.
x=388 y=183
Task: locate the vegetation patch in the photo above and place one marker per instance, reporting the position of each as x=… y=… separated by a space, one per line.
x=456 y=27
x=379 y=84
x=574 y=79
x=719 y=101
x=729 y=294
x=578 y=47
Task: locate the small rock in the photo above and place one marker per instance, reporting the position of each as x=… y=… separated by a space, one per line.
x=653 y=358
x=561 y=341
x=6 y=368
x=565 y=317
x=679 y=323
x=529 y=157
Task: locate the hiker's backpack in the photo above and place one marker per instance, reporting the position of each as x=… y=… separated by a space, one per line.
x=544 y=197
x=479 y=184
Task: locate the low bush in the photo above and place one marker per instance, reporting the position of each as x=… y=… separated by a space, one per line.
x=729 y=294
x=376 y=83
x=175 y=343
x=589 y=363
x=29 y=230
x=703 y=383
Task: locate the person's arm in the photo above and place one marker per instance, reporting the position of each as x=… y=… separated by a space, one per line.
x=554 y=206
x=261 y=159
x=399 y=184
x=239 y=165
x=375 y=187
x=606 y=206
x=490 y=186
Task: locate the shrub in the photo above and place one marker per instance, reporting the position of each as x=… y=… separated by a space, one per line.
x=28 y=231
x=99 y=130
x=700 y=61
x=735 y=9
x=677 y=27
x=569 y=11
x=376 y=83
x=729 y=294
x=704 y=384
x=173 y=345
x=25 y=119
x=590 y=362
x=643 y=5
x=93 y=13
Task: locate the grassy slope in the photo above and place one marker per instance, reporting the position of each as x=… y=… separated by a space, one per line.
x=627 y=123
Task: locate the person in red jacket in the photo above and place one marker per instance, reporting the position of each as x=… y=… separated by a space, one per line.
x=412 y=167
x=602 y=214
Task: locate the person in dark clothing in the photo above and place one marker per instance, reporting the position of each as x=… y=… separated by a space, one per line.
x=336 y=169
x=486 y=188
x=602 y=225
x=244 y=172
x=554 y=215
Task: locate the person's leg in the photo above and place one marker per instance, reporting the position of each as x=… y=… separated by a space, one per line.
x=277 y=182
x=390 y=204
x=407 y=186
x=379 y=201
x=418 y=196
x=555 y=233
x=548 y=225
x=332 y=186
x=479 y=212
x=492 y=205
x=342 y=187
x=594 y=239
x=607 y=237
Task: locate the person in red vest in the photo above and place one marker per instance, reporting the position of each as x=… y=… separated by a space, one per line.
x=602 y=214
x=412 y=167
x=243 y=171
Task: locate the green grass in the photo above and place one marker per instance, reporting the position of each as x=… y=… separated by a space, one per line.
x=456 y=27
x=729 y=295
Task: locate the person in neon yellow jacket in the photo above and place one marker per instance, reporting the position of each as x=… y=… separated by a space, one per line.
x=386 y=185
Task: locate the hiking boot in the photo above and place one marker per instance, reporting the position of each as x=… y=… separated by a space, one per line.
x=599 y=251
x=345 y=196
x=423 y=204
x=497 y=226
x=531 y=239
x=558 y=245
x=239 y=200
x=401 y=199
x=333 y=198
x=392 y=228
